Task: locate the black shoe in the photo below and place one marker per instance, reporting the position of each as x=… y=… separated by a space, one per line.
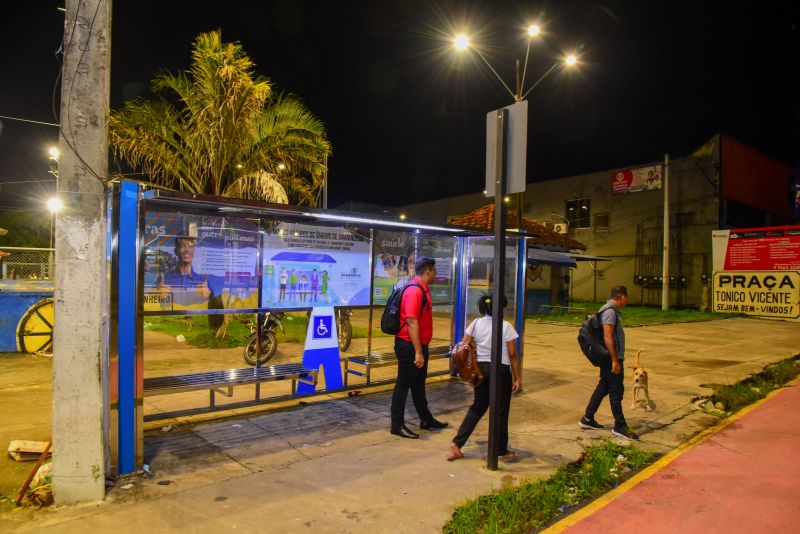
x=404 y=432
x=590 y=424
x=625 y=433
x=433 y=423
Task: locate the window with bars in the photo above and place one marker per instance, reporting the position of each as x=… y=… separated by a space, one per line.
x=578 y=213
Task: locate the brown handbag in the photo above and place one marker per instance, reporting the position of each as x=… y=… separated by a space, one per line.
x=465 y=360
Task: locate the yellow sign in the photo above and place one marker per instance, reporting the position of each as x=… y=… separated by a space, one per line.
x=760 y=293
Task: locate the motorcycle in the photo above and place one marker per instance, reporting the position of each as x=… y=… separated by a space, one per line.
x=269 y=339
x=345 y=328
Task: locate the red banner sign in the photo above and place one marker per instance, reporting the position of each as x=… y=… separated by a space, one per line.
x=769 y=249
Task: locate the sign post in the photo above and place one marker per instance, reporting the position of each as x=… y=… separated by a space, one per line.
x=506 y=154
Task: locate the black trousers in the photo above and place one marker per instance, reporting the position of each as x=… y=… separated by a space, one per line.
x=409 y=377
x=613 y=386
x=481 y=403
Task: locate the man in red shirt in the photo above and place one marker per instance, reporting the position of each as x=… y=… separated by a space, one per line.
x=411 y=348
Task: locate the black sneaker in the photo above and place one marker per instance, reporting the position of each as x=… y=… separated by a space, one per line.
x=626 y=433
x=590 y=424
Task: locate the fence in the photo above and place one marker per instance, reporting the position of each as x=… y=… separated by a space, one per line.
x=23 y=263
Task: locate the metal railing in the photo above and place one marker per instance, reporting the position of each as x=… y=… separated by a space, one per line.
x=26 y=263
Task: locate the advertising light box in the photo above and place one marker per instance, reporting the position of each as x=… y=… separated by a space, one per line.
x=306 y=266
x=199 y=262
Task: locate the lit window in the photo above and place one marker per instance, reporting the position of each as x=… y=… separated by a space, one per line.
x=577 y=212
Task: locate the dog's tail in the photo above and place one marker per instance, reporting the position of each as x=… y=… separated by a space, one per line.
x=638 y=352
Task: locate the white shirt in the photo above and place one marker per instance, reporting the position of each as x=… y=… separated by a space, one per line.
x=481 y=331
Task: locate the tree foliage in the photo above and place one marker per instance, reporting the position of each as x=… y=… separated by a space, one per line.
x=220 y=129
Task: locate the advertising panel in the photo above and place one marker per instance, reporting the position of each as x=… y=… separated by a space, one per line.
x=393 y=263
x=633 y=180
x=306 y=266
x=199 y=262
x=764 y=293
x=442 y=249
x=395 y=257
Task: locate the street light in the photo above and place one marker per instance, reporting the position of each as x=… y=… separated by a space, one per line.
x=462 y=42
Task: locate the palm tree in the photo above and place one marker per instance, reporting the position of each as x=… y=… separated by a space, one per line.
x=222 y=130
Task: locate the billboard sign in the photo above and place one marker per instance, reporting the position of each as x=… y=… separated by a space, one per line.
x=633 y=180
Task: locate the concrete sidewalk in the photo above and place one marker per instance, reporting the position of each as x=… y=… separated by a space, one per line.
x=741 y=478
x=331 y=464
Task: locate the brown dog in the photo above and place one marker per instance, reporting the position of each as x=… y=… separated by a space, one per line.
x=640 y=383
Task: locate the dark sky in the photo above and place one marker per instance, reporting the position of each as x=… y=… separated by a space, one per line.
x=406 y=114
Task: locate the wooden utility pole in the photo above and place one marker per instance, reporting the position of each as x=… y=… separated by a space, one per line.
x=80 y=353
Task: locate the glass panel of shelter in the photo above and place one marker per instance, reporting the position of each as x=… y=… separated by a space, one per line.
x=197 y=264
x=480 y=264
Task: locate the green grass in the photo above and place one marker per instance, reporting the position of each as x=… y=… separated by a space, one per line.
x=732 y=398
x=533 y=504
x=636 y=315
x=197 y=332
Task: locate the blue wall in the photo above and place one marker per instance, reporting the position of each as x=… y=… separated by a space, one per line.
x=13 y=306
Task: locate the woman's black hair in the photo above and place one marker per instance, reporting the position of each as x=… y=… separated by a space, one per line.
x=485 y=303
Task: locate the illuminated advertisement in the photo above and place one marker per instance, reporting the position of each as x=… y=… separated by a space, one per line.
x=393 y=263
x=306 y=266
x=199 y=262
x=395 y=257
x=633 y=180
x=442 y=250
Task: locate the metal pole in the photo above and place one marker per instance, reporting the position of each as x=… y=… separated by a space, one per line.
x=665 y=263
x=498 y=289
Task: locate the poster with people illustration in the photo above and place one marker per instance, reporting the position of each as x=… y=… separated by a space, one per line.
x=395 y=256
x=393 y=263
x=306 y=266
x=199 y=262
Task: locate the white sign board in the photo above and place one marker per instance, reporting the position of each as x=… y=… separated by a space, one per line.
x=516 y=149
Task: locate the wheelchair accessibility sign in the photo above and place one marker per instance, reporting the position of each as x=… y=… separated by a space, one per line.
x=322 y=326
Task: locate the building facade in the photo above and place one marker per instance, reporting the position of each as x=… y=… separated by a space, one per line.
x=619 y=216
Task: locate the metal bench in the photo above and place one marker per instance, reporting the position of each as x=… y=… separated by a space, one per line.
x=228 y=379
x=383 y=359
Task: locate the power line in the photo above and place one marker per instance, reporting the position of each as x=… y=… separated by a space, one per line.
x=28 y=120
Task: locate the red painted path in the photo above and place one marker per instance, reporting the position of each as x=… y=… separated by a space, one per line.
x=746 y=478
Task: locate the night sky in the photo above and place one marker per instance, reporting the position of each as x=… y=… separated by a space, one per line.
x=406 y=113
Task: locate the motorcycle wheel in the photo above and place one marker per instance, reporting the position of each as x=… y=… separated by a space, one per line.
x=269 y=344
x=345 y=335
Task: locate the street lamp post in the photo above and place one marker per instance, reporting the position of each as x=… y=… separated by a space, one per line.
x=462 y=42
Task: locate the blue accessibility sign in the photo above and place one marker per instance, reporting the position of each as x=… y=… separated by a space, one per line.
x=323 y=324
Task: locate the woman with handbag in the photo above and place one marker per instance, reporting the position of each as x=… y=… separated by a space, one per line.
x=480 y=330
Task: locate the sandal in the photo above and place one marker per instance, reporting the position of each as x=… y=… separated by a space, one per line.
x=454 y=454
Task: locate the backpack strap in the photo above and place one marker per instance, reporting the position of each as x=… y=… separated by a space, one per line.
x=616 y=314
x=424 y=300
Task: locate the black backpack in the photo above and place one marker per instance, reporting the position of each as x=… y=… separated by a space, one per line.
x=590 y=339
x=390 y=320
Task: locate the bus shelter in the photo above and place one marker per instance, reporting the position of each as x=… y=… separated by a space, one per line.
x=216 y=264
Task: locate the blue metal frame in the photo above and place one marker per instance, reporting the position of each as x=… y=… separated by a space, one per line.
x=520 y=300
x=126 y=326
x=459 y=290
